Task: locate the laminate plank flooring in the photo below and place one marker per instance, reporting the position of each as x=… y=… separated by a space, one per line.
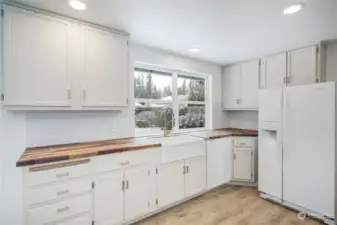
x=228 y=206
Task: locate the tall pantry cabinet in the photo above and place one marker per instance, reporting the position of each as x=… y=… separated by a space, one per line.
x=51 y=63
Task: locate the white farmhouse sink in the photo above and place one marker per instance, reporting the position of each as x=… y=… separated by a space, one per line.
x=180 y=147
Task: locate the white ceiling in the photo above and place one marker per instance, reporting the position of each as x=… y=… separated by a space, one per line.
x=226 y=31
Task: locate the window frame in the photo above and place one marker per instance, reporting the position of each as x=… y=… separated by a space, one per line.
x=175 y=102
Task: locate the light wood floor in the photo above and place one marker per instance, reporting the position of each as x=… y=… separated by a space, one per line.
x=228 y=206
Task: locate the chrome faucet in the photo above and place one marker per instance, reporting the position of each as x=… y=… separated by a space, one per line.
x=165 y=113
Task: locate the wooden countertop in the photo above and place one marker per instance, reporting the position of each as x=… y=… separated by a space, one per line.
x=56 y=153
x=226 y=132
x=39 y=155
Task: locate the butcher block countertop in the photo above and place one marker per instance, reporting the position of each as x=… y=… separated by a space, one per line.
x=56 y=153
x=226 y=132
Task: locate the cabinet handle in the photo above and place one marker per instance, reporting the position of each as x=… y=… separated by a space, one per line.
x=127 y=185
x=69 y=94
x=62 y=175
x=63 y=192
x=123 y=186
x=124 y=163
x=234 y=156
x=187 y=169
x=184 y=169
x=62 y=209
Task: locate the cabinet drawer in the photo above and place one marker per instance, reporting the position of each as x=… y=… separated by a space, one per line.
x=81 y=220
x=243 y=142
x=60 y=210
x=117 y=161
x=57 y=191
x=57 y=172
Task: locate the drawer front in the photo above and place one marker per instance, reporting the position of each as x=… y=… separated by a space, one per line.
x=81 y=220
x=60 y=210
x=57 y=172
x=57 y=191
x=122 y=160
x=243 y=142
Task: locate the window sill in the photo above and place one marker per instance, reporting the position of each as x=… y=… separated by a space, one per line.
x=184 y=131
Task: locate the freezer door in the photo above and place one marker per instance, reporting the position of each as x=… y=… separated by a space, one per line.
x=309 y=147
x=270 y=105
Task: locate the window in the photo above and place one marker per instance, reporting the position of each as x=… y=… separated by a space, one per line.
x=185 y=93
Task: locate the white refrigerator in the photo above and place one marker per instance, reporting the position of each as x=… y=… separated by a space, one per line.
x=297 y=158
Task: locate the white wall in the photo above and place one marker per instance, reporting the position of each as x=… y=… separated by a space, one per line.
x=242 y=119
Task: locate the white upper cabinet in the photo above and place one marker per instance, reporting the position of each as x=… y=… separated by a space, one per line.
x=302 y=66
x=36 y=69
x=50 y=63
x=240 y=86
x=250 y=73
x=231 y=87
x=273 y=71
x=105 y=76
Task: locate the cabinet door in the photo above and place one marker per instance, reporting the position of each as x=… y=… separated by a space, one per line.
x=273 y=71
x=137 y=195
x=219 y=162
x=195 y=177
x=36 y=52
x=106 y=61
x=109 y=199
x=231 y=87
x=249 y=85
x=170 y=183
x=242 y=165
x=302 y=66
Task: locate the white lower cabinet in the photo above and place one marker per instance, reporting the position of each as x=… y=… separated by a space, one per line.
x=195 y=176
x=242 y=164
x=109 y=198
x=181 y=179
x=137 y=195
x=171 y=183
x=219 y=162
x=81 y=220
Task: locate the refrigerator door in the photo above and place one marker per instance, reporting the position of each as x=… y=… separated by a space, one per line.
x=309 y=147
x=270 y=142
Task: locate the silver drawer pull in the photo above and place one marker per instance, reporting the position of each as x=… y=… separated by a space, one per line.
x=243 y=143
x=63 y=192
x=125 y=163
x=62 y=175
x=62 y=209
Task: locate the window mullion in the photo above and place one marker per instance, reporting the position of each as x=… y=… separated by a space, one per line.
x=175 y=104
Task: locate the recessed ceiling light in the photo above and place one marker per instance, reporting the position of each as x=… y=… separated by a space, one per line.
x=194 y=50
x=292 y=9
x=77 y=5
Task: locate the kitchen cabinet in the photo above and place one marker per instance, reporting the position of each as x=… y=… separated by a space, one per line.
x=302 y=66
x=219 y=162
x=181 y=179
x=195 y=175
x=231 y=87
x=250 y=74
x=240 y=86
x=171 y=183
x=242 y=164
x=61 y=65
x=106 y=69
x=137 y=195
x=109 y=198
x=36 y=70
x=273 y=71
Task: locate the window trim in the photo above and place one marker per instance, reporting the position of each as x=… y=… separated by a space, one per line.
x=175 y=102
